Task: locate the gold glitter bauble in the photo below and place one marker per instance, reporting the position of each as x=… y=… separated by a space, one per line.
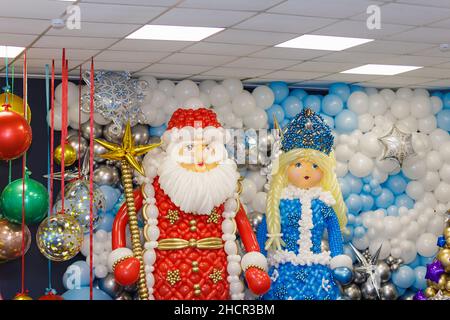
x=70 y=155
x=59 y=237
x=444 y=257
x=22 y=296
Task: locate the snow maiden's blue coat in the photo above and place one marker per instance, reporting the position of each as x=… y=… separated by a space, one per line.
x=301 y=270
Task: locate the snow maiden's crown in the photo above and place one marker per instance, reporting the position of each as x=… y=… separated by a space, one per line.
x=307 y=130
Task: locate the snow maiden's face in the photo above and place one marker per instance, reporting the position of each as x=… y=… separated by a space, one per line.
x=304 y=174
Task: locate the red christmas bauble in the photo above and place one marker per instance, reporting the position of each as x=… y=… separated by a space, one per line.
x=50 y=296
x=15 y=135
x=126 y=272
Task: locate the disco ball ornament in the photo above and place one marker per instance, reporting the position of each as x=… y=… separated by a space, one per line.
x=59 y=237
x=76 y=203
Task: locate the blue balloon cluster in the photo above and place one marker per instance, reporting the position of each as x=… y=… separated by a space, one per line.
x=113 y=197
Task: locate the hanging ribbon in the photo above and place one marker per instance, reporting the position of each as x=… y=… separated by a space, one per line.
x=49 y=164
x=52 y=135
x=63 y=140
x=79 y=124
x=91 y=181
x=6 y=102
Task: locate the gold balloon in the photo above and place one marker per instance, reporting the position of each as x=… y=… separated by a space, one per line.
x=442 y=281
x=59 y=237
x=444 y=257
x=70 y=155
x=22 y=296
x=430 y=292
x=11 y=240
x=447 y=232
x=16 y=104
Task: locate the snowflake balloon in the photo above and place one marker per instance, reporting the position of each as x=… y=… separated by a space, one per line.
x=397 y=145
x=117 y=96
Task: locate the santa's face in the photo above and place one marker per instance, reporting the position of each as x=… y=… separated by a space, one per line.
x=198 y=156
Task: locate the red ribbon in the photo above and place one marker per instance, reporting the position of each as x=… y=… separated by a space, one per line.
x=64 y=84
x=52 y=135
x=79 y=125
x=91 y=181
x=24 y=161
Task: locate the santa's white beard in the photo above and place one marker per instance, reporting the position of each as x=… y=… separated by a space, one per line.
x=198 y=192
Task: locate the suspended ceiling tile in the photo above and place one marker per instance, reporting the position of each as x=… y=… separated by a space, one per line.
x=222 y=48
x=433 y=3
x=356 y=57
x=263 y=63
x=395 y=47
x=19 y=40
x=58 y=65
x=240 y=73
x=74 y=42
x=323 y=8
x=423 y=35
x=444 y=65
x=172 y=68
x=369 y=84
x=158 y=3
x=284 y=23
x=397 y=80
x=136 y=56
x=322 y=66
x=42 y=9
x=251 y=37
x=252 y=5
x=55 y=53
x=416 y=60
x=435 y=51
x=289 y=53
x=434 y=73
x=117 y=66
x=150 y=45
x=170 y=76
x=201 y=18
x=295 y=75
x=93 y=12
x=413 y=15
x=23 y=26
x=345 y=77
x=445 y=83
x=441 y=24
x=197 y=59
x=91 y=29
x=358 y=29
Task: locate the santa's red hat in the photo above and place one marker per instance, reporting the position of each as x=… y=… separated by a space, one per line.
x=191 y=124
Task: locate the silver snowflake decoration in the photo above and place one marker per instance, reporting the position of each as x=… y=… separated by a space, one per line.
x=369 y=267
x=397 y=145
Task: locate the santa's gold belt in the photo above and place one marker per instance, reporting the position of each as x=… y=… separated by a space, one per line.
x=177 y=243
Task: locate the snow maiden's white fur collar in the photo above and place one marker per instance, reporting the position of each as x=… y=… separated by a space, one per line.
x=292 y=192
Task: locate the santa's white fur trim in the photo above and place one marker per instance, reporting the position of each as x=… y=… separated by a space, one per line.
x=254 y=258
x=188 y=133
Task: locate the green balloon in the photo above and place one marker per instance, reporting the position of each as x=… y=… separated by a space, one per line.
x=36 y=201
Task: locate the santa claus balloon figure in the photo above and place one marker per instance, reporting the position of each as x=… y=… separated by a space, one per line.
x=190 y=202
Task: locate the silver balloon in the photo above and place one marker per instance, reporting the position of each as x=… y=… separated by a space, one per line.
x=106 y=175
x=408 y=295
x=98 y=150
x=79 y=144
x=109 y=285
x=359 y=277
x=395 y=266
x=388 y=291
x=397 y=145
x=131 y=288
x=368 y=291
x=140 y=134
x=86 y=130
x=352 y=292
x=383 y=271
x=390 y=260
x=124 y=296
x=113 y=133
x=72 y=132
x=256 y=218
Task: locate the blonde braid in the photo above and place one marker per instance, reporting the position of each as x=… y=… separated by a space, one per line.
x=273 y=213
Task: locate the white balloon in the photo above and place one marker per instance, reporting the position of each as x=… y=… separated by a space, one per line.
x=400 y=108
x=420 y=106
x=158 y=120
x=421 y=142
x=193 y=103
x=430 y=202
x=257 y=178
x=167 y=86
x=383 y=122
x=152 y=82
x=101 y=120
x=149 y=112
x=444 y=150
x=392 y=226
x=264 y=97
x=248 y=190
x=427 y=124
x=377 y=105
x=409 y=124
x=436 y=224
x=426 y=245
x=205 y=99
x=379 y=175
x=361 y=243
x=170 y=106
x=442 y=192
x=421 y=92
x=256 y=120
x=243 y=104
x=385 y=248
x=358 y=102
x=234 y=86
x=207 y=85
x=409 y=251
x=259 y=202
x=186 y=89
x=434 y=160
x=370 y=145
x=415 y=190
x=388 y=95
x=436 y=104
x=72 y=93
x=371 y=91
x=219 y=96
x=341 y=169
x=343 y=152
x=439 y=138
x=387 y=165
x=158 y=99
x=404 y=93
x=57 y=120
x=365 y=122
x=414 y=168
x=360 y=165
x=73 y=116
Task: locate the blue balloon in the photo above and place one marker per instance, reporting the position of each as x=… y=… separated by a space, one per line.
x=392 y=211
x=348 y=236
x=443 y=119
x=292 y=106
x=299 y=93
x=76 y=275
x=353 y=203
x=358 y=221
x=275 y=111
x=356 y=88
x=106 y=222
x=343 y=275
x=376 y=191
x=420 y=282
x=367 y=188
x=340 y=89
x=328 y=120
x=157 y=131
x=355 y=183
x=404 y=277
x=367 y=202
x=426 y=260
x=313 y=102
x=397 y=184
x=345 y=187
x=446 y=100
x=346 y=121
x=111 y=196
x=359 y=232
x=284 y=123
x=83 y=294
x=415 y=263
x=400 y=291
x=348 y=251
x=280 y=90
x=332 y=104
x=404 y=200
x=385 y=199
x=438 y=94
x=350 y=219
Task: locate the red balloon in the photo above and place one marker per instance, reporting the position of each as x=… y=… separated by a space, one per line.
x=258 y=280
x=50 y=296
x=126 y=272
x=15 y=135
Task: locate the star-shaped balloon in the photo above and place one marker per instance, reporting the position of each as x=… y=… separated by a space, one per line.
x=419 y=296
x=397 y=145
x=434 y=271
x=127 y=150
x=369 y=267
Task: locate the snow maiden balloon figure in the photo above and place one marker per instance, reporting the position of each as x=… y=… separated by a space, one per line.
x=303 y=202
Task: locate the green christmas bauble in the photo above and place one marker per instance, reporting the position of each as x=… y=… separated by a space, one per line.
x=36 y=201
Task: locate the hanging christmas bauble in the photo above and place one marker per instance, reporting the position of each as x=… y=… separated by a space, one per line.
x=59 y=237
x=50 y=296
x=11 y=240
x=70 y=155
x=22 y=296
x=15 y=134
x=16 y=104
x=36 y=201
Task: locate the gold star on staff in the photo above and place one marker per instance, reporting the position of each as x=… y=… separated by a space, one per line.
x=127 y=150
